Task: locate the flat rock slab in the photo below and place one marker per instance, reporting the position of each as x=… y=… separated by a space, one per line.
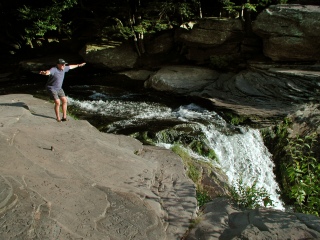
x=221 y=220
x=67 y=180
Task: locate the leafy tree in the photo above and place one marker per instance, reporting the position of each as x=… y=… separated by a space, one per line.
x=125 y=18
x=43 y=19
x=249 y=6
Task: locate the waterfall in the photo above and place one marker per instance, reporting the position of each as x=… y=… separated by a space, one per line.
x=240 y=150
x=243 y=155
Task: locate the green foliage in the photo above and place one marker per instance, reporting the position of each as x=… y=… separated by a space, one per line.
x=235 y=119
x=151 y=26
x=202 y=149
x=125 y=32
x=302 y=174
x=281 y=130
x=190 y=137
x=182 y=10
x=143 y=137
x=202 y=197
x=44 y=19
x=193 y=172
x=298 y=169
x=249 y=196
x=160 y=26
x=40 y=17
x=276 y=138
x=114 y=28
x=159 y=16
x=231 y=7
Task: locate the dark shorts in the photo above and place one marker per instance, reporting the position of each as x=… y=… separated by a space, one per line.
x=56 y=94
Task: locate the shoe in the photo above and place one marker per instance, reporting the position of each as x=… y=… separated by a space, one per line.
x=58 y=120
x=64 y=119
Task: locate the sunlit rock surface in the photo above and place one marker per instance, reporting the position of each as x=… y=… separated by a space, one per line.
x=67 y=180
x=266 y=90
x=181 y=79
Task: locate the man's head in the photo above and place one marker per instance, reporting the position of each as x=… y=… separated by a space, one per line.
x=61 y=63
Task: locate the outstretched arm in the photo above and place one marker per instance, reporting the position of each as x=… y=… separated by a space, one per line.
x=72 y=66
x=47 y=72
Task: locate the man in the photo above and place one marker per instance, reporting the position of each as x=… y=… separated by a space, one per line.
x=54 y=86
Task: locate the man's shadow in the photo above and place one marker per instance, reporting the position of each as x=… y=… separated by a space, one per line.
x=22 y=104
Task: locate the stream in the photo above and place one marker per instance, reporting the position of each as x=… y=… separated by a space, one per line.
x=240 y=151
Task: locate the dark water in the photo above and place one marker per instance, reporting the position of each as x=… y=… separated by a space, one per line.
x=81 y=85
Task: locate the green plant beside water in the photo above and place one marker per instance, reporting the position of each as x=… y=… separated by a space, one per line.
x=298 y=169
x=235 y=119
x=194 y=173
x=202 y=197
x=190 y=137
x=302 y=174
x=202 y=149
x=247 y=196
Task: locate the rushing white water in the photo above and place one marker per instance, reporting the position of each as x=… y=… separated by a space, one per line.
x=240 y=153
x=244 y=155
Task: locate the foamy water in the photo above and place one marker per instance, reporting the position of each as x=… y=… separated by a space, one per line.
x=244 y=155
x=240 y=154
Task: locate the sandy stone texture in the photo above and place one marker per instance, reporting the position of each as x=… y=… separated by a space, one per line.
x=67 y=180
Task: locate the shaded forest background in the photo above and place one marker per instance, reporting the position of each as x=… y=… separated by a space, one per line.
x=30 y=24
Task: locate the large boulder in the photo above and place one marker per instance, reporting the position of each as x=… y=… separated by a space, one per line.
x=264 y=92
x=221 y=220
x=214 y=32
x=152 y=51
x=70 y=181
x=181 y=79
x=211 y=36
x=112 y=55
x=290 y=32
x=161 y=43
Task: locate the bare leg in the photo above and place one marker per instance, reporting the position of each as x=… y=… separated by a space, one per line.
x=64 y=101
x=57 y=108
